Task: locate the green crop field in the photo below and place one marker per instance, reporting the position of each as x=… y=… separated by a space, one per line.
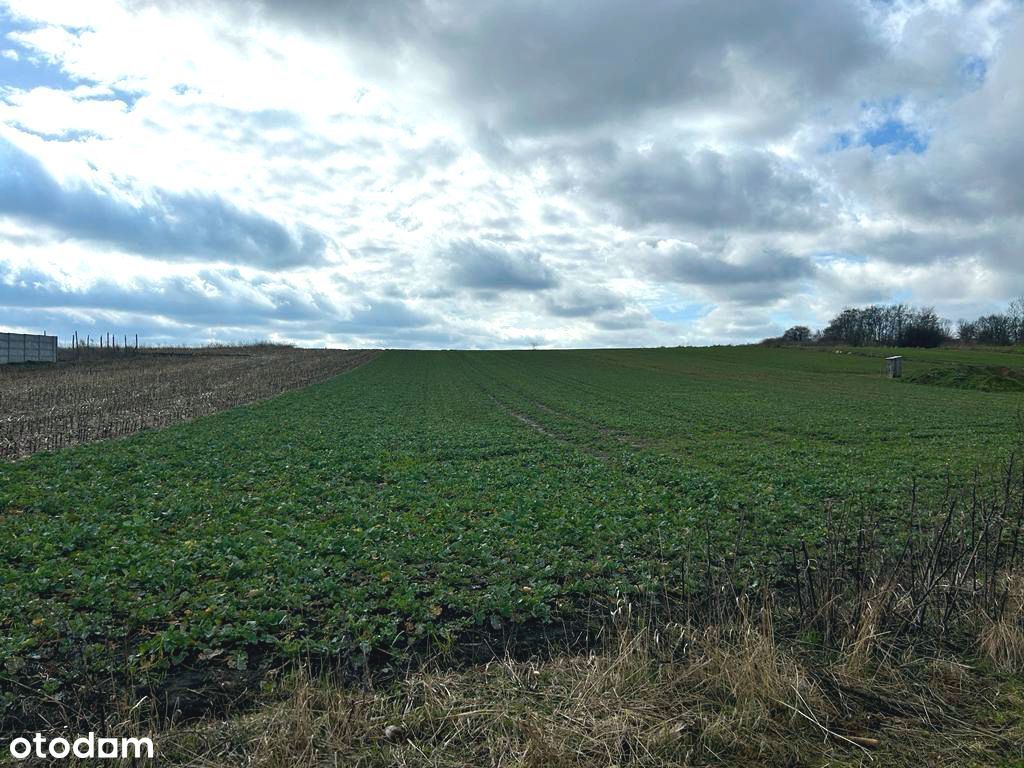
x=430 y=495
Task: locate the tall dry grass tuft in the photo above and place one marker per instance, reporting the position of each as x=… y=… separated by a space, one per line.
x=861 y=640
x=1001 y=639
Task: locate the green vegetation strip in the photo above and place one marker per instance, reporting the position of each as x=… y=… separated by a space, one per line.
x=987 y=378
x=427 y=494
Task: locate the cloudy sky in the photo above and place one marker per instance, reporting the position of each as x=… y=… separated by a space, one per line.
x=434 y=173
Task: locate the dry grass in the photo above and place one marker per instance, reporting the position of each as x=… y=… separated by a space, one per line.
x=1002 y=637
x=730 y=694
x=678 y=697
x=1002 y=641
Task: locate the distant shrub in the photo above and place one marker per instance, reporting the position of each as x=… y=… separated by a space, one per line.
x=798 y=334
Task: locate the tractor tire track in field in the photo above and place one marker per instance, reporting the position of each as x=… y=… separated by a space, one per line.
x=536 y=426
x=575 y=422
x=507 y=408
x=627 y=439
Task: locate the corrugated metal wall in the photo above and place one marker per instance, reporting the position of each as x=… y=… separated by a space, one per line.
x=27 y=348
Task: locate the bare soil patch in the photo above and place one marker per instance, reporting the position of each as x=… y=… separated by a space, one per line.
x=97 y=397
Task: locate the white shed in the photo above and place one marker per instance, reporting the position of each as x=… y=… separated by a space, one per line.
x=894 y=366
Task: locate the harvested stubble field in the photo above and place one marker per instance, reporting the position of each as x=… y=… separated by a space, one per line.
x=465 y=505
x=97 y=394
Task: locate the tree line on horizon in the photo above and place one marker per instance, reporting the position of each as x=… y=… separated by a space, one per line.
x=901 y=325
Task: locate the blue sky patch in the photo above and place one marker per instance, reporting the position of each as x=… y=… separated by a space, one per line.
x=892 y=133
x=896 y=136
x=679 y=313
x=880 y=126
x=28 y=70
x=129 y=98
